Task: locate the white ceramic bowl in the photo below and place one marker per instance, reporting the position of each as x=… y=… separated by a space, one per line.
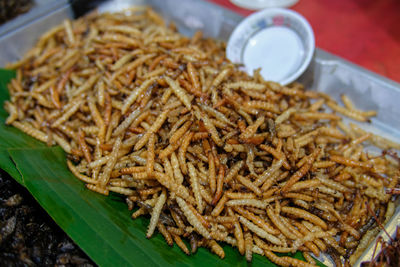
x=277 y=40
x=261 y=4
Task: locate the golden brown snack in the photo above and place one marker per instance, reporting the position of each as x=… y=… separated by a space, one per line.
x=211 y=153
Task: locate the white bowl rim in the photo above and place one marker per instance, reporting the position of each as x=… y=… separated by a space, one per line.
x=256 y=5
x=268 y=12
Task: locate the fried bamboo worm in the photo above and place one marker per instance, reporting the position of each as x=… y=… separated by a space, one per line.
x=215 y=248
x=28 y=129
x=83 y=146
x=179 y=190
x=176 y=168
x=153 y=129
x=135 y=93
x=210 y=127
x=180 y=244
x=192 y=218
x=276 y=220
x=82 y=177
x=126 y=123
x=256 y=220
x=105 y=175
x=286 y=261
x=150 y=155
x=193 y=75
x=347 y=112
x=165 y=233
x=182 y=151
x=238 y=233
x=67 y=112
x=211 y=173
x=179 y=92
x=155 y=214
x=260 y=232
x=194 y=181
x=305 y=215
x=248 y=242
x=301 y=172
x=220 y=183
x=351 y=162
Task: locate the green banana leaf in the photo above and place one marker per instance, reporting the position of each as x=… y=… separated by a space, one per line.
x=100 y=225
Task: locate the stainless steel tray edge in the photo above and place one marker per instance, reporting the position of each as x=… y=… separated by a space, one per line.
x=16 y=42
x=40 y=8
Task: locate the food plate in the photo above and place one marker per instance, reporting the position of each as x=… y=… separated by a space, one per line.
x=92 y=219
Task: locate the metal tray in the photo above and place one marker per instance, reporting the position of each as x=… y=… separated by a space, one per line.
x=39 y=8
x=327 y=73
x=20 y=34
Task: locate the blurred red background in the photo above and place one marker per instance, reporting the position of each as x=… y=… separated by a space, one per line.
x=365 y=32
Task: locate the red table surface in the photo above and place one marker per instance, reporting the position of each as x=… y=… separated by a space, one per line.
x=365 y=32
